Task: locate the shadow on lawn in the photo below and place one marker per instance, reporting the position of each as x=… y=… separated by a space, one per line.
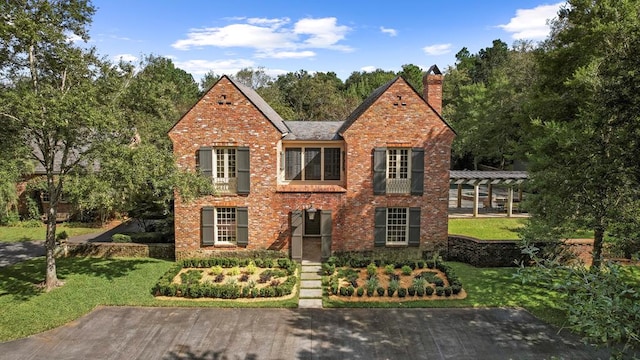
x=21 y=280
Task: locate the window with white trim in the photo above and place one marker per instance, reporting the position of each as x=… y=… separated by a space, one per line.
x=313 y=163
x=398 y=170
x=397 y=226
x=225 y=174
x=225 y=225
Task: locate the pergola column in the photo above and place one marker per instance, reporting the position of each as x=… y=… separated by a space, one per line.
x=510 y=202
x=476 y=196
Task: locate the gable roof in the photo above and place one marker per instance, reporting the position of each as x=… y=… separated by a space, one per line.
x=254 y=98
x=376 y=94
x=313 y=130
x=259 y=103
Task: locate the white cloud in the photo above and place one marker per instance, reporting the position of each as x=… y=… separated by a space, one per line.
x=323 y=33
x=532 y=23
x=201 y=67
x=72 y=38
x=368 y=68
x=287 y=54
x=437 y=49
x=270 y=37
x=125 y=57
x=391 y=32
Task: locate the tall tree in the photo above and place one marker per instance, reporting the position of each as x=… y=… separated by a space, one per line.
x=60 y=95
x=584 y=170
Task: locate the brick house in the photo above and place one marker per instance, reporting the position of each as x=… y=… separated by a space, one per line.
x=378 y=179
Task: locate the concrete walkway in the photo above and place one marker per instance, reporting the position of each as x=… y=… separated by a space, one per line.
x=183 y=333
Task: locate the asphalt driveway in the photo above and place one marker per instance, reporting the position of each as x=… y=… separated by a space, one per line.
x=184 y=333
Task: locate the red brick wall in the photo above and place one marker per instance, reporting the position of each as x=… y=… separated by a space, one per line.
x=387 y=125
x=241 y=124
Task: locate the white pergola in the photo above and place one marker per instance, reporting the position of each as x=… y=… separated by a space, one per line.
x=510 y=179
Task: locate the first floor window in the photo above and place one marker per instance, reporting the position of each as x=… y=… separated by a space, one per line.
x=397 y=225
x=224 y=225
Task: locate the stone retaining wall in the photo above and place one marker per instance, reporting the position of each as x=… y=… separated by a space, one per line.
x=104 y=249
x=502 y=253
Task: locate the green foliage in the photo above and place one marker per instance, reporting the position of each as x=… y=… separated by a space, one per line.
x=406 y=270
x=389 y=270
x=372 y=270
x=62 y=236
x=216 y=270
x=328 y=268
x=251 y=268
x=601 y=303
x=121 y=238
x=234 y=271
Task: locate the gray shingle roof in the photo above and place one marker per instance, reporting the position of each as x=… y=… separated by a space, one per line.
x=313 y=130
x=262 y=105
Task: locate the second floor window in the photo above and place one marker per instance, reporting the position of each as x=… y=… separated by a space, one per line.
x=228 y=167
x=312 y=163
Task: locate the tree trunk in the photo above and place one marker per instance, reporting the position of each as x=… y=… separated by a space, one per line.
x=598 y=239
x=51 y=281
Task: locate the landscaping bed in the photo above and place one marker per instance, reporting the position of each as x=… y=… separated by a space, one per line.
x=393 y=282
x=228 y=278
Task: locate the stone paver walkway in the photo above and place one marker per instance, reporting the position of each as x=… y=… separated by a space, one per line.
x=310 y=285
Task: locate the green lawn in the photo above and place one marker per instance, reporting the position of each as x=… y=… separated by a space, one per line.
x=487 y=228
x=20 y=233
x=89 y=282
x=498 y=228
x=485 y=287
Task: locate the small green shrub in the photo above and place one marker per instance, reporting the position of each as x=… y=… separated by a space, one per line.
x=418 y=283
x=360 y=291
x=389 y=270
x=456 y=289
x=420 y=291
x=328 y=268
x=380 y=291
x=406 y=270
x=216 y=270
x=447 y=291
x=420 y=263
x=428 y=290
x=234 y=271
x=438 y=282
x=121 y=238
x=251 y=268
x=394 y=285
x=372 y=270
x=439 y=290
x=402 y=292
x=191 y=277
x=62 y=236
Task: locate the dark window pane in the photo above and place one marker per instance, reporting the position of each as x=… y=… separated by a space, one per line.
x=312 y=166
x=293 y=164
x=332 y=164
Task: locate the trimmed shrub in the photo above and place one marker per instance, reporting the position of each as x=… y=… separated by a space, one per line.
x=420 y=291
x=411 y=291
x=439 y=290
x=406 y=270
x=360 y=291
x=380 y=291
x=328 y=269
x=251 y=268
x=121 y=238
x=389 y=270
x=456 y=289
x=402 y=292
x=372 y=270
x=420 y=264
x=428 y=290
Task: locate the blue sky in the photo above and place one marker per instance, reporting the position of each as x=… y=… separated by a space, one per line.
x=339 y=36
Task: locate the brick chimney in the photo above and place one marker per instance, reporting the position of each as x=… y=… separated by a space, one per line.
x=432 y=82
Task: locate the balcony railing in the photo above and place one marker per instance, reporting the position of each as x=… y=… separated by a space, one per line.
x=398 y=186
x=225 y=185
